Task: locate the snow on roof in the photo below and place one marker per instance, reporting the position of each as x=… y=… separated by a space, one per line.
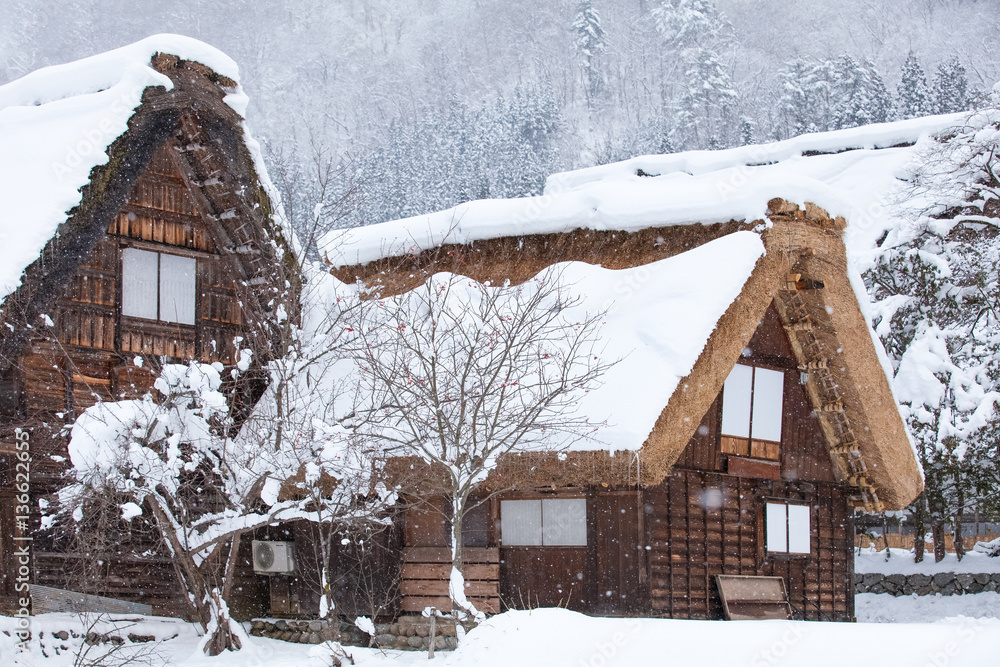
x=659 y=317
x=56 y=125
x=850 y=173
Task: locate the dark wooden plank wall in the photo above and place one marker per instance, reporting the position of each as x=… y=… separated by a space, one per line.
x=149 y=580
x=87 y=356
x=545 y=577
x=617 y=577
x=701 y=524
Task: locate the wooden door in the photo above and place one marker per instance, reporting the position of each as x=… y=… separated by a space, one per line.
x=617 y=555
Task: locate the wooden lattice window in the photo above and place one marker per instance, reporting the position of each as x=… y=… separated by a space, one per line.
x=158 y=286
x=752 y=412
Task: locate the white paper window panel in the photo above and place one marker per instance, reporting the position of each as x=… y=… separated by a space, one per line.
x=139 y=283
x=768 y=404
x=776 y=527
x=798 y=529
x=521 y=523
x=177 y=288
x=736 y=402
x=564 y=522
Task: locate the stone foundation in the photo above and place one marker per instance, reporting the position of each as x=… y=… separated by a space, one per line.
x=943 y=583
x=409 y=633
x=413 y=633
x=300 y=632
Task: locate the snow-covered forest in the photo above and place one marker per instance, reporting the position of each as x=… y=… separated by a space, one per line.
x=381 y=110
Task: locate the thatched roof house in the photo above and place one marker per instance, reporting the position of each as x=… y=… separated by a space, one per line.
x=639 y=212
x=77 y=138
x=723 y=266
x=137 y=227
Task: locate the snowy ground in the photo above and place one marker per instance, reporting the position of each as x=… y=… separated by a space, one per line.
x=932 y=631
x=900 y=561
x=871 y=608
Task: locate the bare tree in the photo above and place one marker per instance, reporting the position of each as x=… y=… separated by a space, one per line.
x=464 y=373
x=305 y=428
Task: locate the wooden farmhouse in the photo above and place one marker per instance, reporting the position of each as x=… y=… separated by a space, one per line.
x=136 y=230
x=745 y=459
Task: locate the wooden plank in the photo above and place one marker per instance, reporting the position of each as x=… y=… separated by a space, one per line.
x=742 y=467
x=439 y=587
x=413 y=603
x=443 y=555
x=734 y=445
x=443 y=571
x=487 y=605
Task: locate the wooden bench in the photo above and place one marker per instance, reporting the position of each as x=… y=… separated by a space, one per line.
x=747 y=598
x=426 y=575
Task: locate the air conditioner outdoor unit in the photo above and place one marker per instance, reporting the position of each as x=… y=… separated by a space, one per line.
x=271 y=557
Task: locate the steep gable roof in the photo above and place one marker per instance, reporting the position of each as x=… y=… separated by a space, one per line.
x=74 y=139
x=641 y=211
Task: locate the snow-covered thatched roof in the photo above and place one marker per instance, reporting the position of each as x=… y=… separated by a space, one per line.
x=850 y=173
x=56 y=125
x=819 y=204
x=75 y=137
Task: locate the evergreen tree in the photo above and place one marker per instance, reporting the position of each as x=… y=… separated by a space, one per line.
x=913 y=98
x=689 y=24
x=708 y=104
x=588 y=37
x=951 y=87
x=808 y=94
x=795 y=104
x=502 y=149
x=936 y=290
x=861 y=95
x=747 y=132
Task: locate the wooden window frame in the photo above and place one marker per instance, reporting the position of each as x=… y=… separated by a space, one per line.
x=784 y=555
x=744 y=447
x=540 y=497
x=160 y=250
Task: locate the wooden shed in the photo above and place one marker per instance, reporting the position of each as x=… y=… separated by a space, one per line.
x=151 y=239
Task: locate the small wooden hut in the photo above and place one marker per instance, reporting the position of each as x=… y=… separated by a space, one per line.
x=137 y=230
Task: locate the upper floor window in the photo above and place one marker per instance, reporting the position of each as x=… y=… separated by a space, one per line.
x=158 y=286
x=752 y=410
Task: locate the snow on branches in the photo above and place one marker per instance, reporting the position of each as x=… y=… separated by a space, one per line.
x=936 y=289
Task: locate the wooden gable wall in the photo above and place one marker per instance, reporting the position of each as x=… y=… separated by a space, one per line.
x=90 y=356
x=804 y=449
x=88 y=352
x=702 y=521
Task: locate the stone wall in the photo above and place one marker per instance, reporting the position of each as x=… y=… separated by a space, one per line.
x=407 y=632
x=945 y=583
